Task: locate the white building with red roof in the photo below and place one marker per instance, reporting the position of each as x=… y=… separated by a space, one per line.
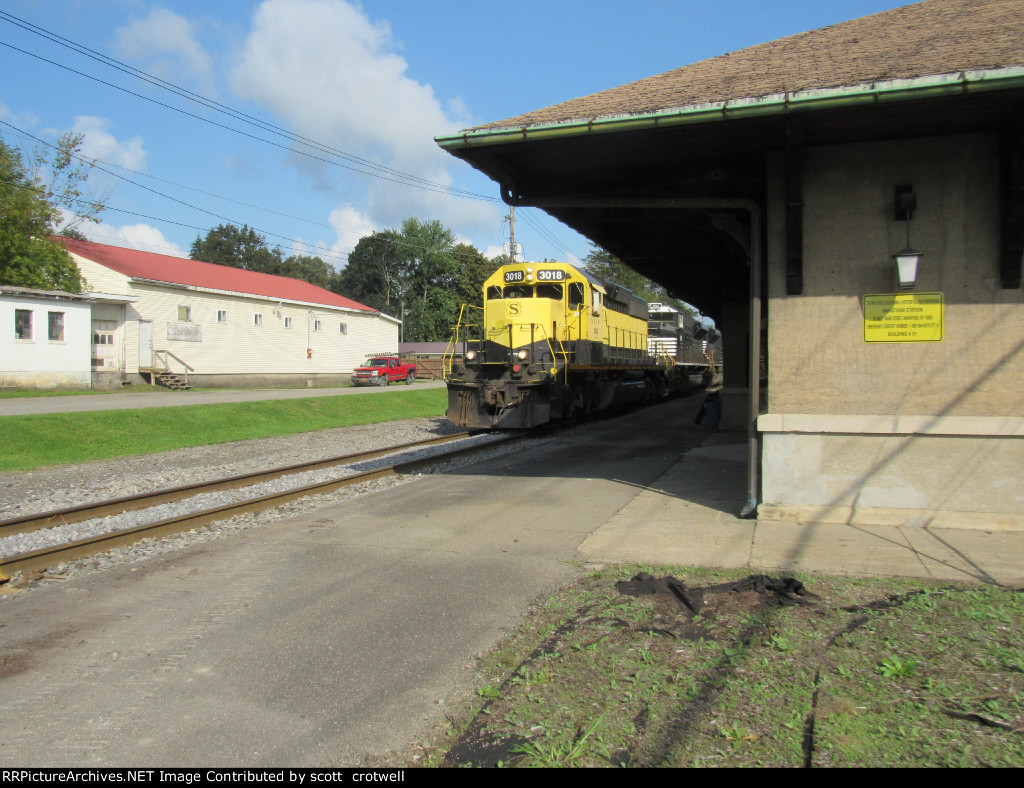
x=222 y=326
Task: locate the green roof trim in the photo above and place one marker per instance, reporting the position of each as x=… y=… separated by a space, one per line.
x=736 y=109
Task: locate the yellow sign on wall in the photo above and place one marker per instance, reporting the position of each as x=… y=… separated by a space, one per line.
x=903 y=317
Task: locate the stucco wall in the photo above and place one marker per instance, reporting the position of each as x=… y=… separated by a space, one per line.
x=821 y=370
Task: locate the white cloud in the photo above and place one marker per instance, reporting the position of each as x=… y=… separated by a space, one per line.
x=165 y=44
x=143 y=237
x=334 y=76
x=350 y=225
x=22 y=120
x=98 y=143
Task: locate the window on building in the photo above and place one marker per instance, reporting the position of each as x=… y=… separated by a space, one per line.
x=23 y=324
x=222 y=316
x=343 y=327
x=317 y=325
x=257 y=319
x=56 y=326
x=185 y=314
x=287 y=322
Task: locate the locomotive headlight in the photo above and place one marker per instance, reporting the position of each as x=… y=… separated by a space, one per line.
x=522 y=354
x=470 y=355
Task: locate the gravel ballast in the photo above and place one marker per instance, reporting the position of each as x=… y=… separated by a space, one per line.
x=46 y=489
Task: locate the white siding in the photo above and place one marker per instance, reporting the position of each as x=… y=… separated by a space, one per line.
x=237 y=346
x=100 y=279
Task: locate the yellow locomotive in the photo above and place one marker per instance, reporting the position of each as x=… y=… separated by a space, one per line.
x=551 y=342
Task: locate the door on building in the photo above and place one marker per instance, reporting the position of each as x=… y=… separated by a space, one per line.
x=145 y=344
x=104 y=351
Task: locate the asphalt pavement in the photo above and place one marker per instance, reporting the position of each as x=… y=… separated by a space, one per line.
x=162 y=398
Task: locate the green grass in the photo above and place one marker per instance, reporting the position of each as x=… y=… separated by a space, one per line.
x=878 y=673
x=61 y=438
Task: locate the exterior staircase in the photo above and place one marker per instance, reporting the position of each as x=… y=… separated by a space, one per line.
x=171 y=380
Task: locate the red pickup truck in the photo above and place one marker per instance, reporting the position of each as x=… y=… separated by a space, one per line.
x=383 y=369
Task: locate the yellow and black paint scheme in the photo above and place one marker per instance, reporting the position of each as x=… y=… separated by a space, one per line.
x=551 y=342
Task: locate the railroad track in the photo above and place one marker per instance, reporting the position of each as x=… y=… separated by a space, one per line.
x=44 y=558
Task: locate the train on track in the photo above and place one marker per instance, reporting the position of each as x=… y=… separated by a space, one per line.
x=555 y=342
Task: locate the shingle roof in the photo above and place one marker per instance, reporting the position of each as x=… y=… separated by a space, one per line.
x=181 y=271
x=930 y=38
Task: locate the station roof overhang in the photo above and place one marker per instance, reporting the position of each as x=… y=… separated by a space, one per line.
x=634 y=184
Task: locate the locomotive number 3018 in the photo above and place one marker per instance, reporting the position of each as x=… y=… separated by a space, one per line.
x=550 y=276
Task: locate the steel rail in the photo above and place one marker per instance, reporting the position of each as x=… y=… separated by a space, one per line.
x=76 y=514
x=51 y=556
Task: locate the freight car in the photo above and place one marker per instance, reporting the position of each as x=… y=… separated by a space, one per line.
x=555 y=342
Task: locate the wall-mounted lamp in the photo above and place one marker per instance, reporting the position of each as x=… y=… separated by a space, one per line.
x=908 y=258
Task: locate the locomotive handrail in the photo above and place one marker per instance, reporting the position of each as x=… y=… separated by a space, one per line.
x=447 y=361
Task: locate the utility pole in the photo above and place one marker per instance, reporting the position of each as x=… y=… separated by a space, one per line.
x=512 y=233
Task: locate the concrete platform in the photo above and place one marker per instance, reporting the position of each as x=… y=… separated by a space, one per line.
x=688 y=516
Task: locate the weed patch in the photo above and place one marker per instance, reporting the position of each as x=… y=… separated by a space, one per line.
x=877 y=673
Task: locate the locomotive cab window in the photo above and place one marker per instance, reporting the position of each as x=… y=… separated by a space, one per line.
x=518 y=291
x=576 y=299
x=493 y=293
x=550 y=291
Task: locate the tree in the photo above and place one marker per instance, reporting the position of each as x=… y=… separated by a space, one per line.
x=29 y=256
x=309 y=269
x=417 y=273
x=377 y=272
x=63 y=180
x=238 y=247
x=603 y=264
x=474 y=268
x=432 y=298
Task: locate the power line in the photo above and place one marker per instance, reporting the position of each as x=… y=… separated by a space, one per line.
x=321 y=251
x=215 y=105
x=407 y=179
x=401 y=178
x=543 y=231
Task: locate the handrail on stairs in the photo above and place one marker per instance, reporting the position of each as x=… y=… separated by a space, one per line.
x=167 y=366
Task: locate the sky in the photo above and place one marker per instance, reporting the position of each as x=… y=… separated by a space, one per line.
x=328 y=109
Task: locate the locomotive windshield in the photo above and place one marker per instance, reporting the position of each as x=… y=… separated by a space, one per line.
x=554 y=292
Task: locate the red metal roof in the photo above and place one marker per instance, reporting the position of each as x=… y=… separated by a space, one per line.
x=182 y=271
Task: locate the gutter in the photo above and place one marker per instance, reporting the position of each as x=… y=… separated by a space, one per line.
x=868 y=93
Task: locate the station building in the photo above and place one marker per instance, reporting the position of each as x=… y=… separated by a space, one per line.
x=156 y=316
x=774 y=188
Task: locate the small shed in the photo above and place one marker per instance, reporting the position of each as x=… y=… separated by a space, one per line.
x=46 y=338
